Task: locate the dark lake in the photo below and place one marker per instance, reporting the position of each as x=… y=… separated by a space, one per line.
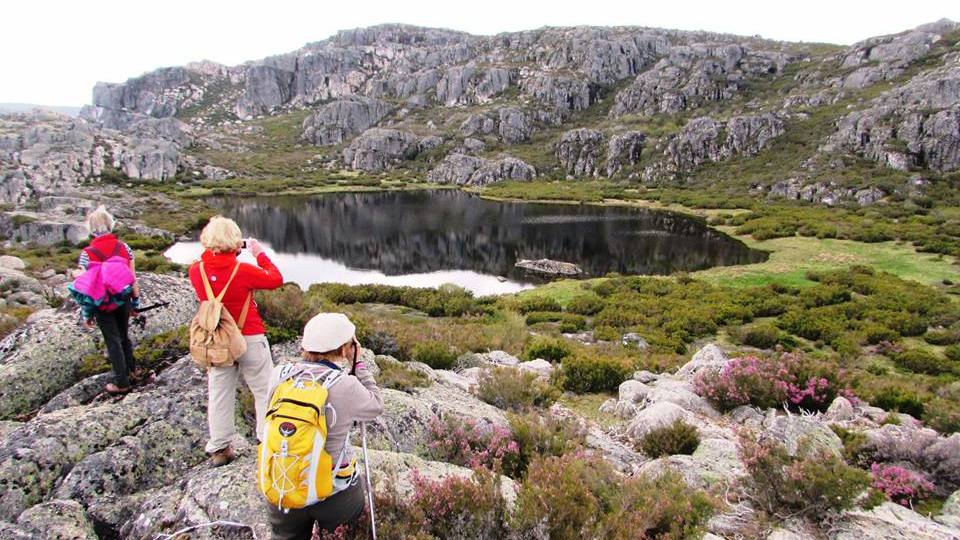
x=427 y=238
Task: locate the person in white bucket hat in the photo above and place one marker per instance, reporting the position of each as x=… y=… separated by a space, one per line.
x=331 y=352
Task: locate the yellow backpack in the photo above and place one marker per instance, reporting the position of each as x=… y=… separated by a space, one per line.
x=293 y=468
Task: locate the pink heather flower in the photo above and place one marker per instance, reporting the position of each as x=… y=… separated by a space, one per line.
x=901 y=485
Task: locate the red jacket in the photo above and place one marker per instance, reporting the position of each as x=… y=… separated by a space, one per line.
x=249 y=278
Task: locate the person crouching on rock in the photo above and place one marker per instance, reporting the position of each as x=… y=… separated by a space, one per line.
x=223 y=242
x=330 y=361
x=117 y=299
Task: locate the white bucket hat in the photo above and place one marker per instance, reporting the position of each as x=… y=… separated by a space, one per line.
x=327 y=332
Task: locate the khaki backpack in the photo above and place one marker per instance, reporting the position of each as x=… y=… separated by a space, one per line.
x=215 y=338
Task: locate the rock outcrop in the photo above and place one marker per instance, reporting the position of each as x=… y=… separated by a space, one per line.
x=343 y=119
x=467 y=170
x=45 y=356
x=705 y=140
x=580 y=152
x=887 y=57
x=378 y=149
x=916 y=125
x=691 y=76
x=510 y=124
x=623 y=151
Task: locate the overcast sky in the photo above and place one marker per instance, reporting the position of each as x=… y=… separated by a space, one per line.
x=54 y=51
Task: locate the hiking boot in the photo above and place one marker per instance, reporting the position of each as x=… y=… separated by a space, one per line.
x=222 y=457
x=142 y=376
x=115 y=390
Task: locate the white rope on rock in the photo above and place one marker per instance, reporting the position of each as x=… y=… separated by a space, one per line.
x=219 y=523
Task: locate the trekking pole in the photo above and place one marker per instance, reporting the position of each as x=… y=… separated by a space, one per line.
x=366 y=467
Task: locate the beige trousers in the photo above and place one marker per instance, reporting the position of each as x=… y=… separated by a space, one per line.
x=255 y=365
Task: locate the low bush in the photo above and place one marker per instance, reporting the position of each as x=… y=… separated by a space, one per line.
x=672 y=439
x=435 y=354
x=455 y=507
x=584 y=373
x=809 y=484
x=578 y=495
x=285 y=311
x=792 y=379
x=551 y=349
x=397 y=376
x=942 y=413
x=901 y=485
x=380 y=342
x=446 y=300
x=585 y=304
x=874 y=334
x=897 y=399
x=952 y=352
x=922 y=361
x=469 y=443
x=569 y=322
x=515 y=389
x=533 y=303
x=540 y=435
x=853 y=443
x=11 y=318
x=942 y=337
x=761 y=336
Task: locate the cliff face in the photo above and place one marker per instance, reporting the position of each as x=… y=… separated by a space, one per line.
x=649 y=105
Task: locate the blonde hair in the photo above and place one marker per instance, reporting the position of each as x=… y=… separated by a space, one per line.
x=100 y=221
x=221 y=235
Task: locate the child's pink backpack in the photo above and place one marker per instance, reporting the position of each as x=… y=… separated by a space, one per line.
x=104 y=279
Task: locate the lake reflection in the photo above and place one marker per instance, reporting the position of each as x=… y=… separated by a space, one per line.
x=426 y=238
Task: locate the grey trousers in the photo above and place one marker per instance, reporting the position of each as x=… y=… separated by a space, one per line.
x=340 y=509
x=255 y=365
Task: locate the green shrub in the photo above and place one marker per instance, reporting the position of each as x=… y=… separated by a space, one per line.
x=761 y=336
x=461 y=507
x=538 y=303
x=663 y=508
x=942 y=337
x=578 y=495
x=515 y=389
x=540 y=435
x=449 y=301
x=874 y=333
x=569 y=322
x=899 y=400
x=809 y=484
x=952 y=352
x=606 y=333
x=435 y=354
x=942 y=411
x=398 y=376
x=853 y=443
x=285 y=311
x=922 y=361
x=585 y=304
x=676 y=438
x=551 y=349
x=583 y=373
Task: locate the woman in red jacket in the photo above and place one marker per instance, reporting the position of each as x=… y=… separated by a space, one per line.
x=222 y=242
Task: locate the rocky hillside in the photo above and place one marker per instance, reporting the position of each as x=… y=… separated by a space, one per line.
x=77 y=466
x=659 y=107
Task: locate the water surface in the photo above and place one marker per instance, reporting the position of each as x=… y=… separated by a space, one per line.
x=427 y=238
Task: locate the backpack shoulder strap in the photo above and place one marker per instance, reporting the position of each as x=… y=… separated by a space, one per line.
x=245 y=311
x=206 y=282
x=209 y=290
x=97 y=252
